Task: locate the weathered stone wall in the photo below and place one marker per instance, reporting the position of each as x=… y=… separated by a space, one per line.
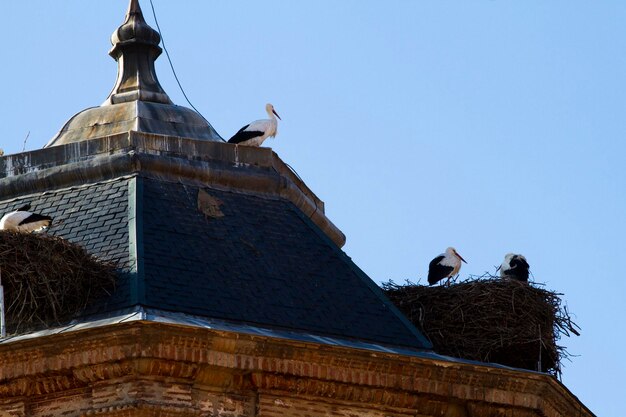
x=147 y=369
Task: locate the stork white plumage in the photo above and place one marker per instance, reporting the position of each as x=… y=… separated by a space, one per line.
x=255 y=133
x=515 y=267
x=22 y=220
x=445 y=265
x=1 y=152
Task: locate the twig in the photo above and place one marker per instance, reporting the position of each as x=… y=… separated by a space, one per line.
x=490 y=319
x=48 y=280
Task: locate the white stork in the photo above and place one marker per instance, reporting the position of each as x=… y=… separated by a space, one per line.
x=443 y=266
x=514 y=266
x=256 y=132
x=1 y=152
x=22 y=220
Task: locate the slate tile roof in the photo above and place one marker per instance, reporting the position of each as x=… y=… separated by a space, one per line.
x=221 y=255
x=257 y=260
x=94 y=216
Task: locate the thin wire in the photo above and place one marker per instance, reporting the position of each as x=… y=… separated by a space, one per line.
x=294 y=171
x=167 y=54
x=313 y=198
x=25 y=139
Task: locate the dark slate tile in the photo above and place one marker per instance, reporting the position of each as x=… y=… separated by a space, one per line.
x=263 y=262
x=77 y=218
x=252 y=259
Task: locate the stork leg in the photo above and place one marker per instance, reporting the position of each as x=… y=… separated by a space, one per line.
x=451 y=279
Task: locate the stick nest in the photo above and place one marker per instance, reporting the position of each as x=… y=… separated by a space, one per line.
x=47 y=280
x=490 y=320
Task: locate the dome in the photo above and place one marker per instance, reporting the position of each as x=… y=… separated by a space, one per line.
x=137 y=101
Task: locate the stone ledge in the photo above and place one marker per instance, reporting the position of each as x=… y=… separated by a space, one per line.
x=221 y=165
x=238 y=363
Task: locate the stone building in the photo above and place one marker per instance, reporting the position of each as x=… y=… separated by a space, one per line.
x=233 y=297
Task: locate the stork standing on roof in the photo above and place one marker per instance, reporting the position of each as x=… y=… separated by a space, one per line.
x=22 y=220
x=445 y=265
x=514 y=266
x=255 y=133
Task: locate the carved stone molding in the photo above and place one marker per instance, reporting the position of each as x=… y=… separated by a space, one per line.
x=189 y=368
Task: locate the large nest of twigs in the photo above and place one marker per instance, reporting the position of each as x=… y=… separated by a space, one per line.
x=47 y=280
x=490 y=320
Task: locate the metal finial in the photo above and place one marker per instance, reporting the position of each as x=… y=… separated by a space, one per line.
x=135 y=48
x=138 y=102
x=134 y=7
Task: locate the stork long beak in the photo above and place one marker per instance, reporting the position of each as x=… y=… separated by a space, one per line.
x=274 y=111
x=460 y=257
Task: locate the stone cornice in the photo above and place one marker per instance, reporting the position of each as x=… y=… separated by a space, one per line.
x=236 y=362
x=214 y=164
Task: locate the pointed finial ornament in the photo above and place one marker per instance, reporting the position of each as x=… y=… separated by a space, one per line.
x=137 y=102
x=135 y=48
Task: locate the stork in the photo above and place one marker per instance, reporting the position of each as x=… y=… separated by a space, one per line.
x=515 y=267
x=22 y=220
x=445 y=265
x=255 y=133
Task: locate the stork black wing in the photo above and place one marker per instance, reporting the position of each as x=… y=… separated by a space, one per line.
x=25 y=207
x=519 y=269
x=436 y=271
x=519 y=262
x=34 y=217
x=242 y=135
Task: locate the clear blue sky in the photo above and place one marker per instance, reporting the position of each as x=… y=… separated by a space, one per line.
x=491 y=126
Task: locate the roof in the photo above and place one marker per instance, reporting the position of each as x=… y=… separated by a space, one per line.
x=138 y=116
x=256 y=260
x=221 y=254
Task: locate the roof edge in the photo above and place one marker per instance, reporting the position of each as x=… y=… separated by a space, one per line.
x=409 y=372
x=258 y=171
x=425 y=343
